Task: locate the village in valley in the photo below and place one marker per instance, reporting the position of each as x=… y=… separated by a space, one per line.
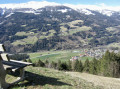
x=91 y=53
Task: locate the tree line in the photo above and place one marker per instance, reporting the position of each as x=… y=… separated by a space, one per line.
x=108 y=65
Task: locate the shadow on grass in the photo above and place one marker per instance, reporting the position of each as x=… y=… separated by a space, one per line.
x=35 y=79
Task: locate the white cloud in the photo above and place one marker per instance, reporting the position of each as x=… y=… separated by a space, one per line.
x=39 y=4
x=102 y=4
x=31 y=4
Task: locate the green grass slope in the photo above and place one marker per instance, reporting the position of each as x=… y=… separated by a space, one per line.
x=43 y=78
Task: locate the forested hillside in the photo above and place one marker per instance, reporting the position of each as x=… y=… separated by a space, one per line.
x=108 y=65
x=57 y=27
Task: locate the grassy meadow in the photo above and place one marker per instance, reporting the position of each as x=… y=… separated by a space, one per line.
x=57 y=55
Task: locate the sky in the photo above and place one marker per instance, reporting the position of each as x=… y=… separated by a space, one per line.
x=75 y=2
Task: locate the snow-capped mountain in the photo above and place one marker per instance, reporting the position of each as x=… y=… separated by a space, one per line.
x=104 y=11
x=31 y=7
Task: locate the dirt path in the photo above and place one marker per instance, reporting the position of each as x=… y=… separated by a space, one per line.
x=106 y=82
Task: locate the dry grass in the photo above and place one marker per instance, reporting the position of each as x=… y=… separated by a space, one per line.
x=106 y=82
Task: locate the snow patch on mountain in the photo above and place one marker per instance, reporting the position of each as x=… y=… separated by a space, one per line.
x=107 y=12
x=3 y=12
x=85 y=11
x=34 y=12
x=9 y=15
x=63 y=10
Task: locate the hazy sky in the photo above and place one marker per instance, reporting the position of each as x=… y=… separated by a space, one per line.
x=87 y=2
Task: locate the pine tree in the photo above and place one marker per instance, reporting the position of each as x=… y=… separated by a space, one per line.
x=53 y=65
x=76 y=66
x=29 y=60
x=114 y=69
x=94 y=66
x=86 y=66
x=69 y=65
x=64 y=66
x=59 y=65
x=46 y=63
x=104 y=64
x=40 y=63
x=73 y=63
x=91 y=67
x=95 y=63
x=80 y=66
